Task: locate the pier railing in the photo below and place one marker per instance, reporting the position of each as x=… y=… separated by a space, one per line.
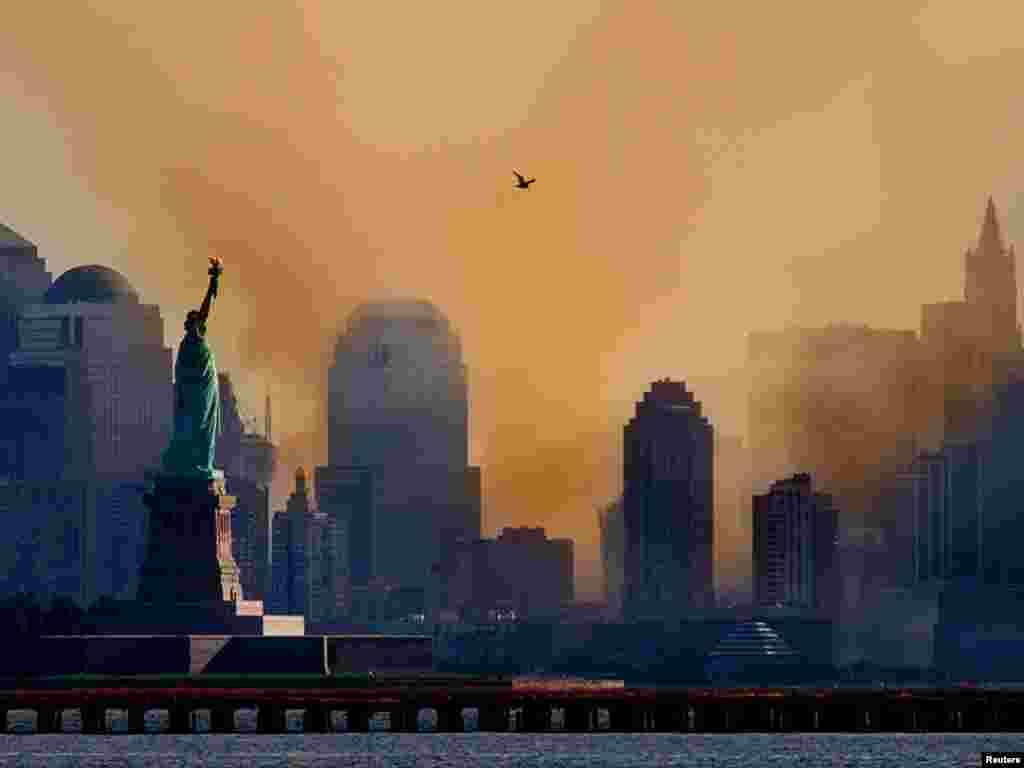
x=531 y=708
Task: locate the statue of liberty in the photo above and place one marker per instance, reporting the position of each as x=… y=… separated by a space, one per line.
x=196 y=395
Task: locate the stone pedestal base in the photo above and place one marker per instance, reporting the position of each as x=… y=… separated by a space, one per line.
x=212 y=617
x=188 y=547
x=171 y=655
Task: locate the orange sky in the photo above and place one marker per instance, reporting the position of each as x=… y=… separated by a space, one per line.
x=704 y=170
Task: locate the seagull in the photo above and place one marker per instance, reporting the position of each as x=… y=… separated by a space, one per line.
x=522 y=183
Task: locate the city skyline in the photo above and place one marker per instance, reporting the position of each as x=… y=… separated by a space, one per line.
x=735 y=212
x=990 y=233
x=580 y=375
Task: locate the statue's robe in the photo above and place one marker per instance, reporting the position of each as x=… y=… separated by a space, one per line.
x=196 y=410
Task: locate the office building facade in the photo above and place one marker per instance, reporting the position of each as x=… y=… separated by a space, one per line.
x=668 y=505
x=398 y=409
x=795 y=547
x=292 y=529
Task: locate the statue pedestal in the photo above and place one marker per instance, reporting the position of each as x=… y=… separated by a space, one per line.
x=189 y=582
x=188 y=547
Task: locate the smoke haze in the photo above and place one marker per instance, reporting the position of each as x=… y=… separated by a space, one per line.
x=703 y=171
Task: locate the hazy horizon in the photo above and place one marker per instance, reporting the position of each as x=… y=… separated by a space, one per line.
x=701 y=174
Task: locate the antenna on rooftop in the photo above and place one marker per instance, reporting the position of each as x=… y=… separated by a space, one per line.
x=268 y=413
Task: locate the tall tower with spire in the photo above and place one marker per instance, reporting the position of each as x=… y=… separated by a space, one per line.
x=990 y=288
x=974 y=344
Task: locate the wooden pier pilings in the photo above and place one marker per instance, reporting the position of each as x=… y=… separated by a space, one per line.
x=522 y=708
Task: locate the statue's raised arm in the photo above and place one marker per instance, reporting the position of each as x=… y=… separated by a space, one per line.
x=216 y=267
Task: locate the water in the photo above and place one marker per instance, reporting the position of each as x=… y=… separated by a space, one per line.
x=385 y=750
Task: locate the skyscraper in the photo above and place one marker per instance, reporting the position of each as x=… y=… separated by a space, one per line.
x=990 y=287
x=110 y=350
x=248 y=462
x=398 y=408
x=319 y=569
x=613 y=550
x=291 y=594
x=948 y=513
x=345 y=496
x=668 y=505
x=897 y=392
x=795 y=546
x=257 y=461
x=86 y=411
x=1002 y=521
x=23 y=280
x=932 y=518
x=974 y=344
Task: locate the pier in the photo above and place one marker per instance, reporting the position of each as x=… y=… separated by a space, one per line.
x=524 y=708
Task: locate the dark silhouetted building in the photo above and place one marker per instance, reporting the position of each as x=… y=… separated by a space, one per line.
x=43 y=437
x=118 y=371
x=386 y=607
x=1002 y=525
x=23 y=280
x=894 y=512
x=861 y=553
x=398 y=408
x=257 y=458
x=521 y=574
x=320 y=568
x=973 y=344
x=884 y=418
x=229 y=438
x=932 y=518
x=980 y=632
x=948 y=513
x=346 y=496
x=250 y=530
x=668 y=505
x=966 y=503
x=86 y=410
x=248 y=461
x=753 y=652
x=613 y=554
x=795 y=547
x=49 y=543
x=291 y=545
x=250 y=482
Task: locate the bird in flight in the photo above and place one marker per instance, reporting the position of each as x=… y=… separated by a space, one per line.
x=521 y=182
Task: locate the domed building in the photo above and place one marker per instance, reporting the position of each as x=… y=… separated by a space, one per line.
x=117 y=371
x=92 y=284
x=753 y=652
x=398 y=414
x=85 y=411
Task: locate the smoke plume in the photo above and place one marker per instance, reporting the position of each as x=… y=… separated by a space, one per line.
x=703 y=171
